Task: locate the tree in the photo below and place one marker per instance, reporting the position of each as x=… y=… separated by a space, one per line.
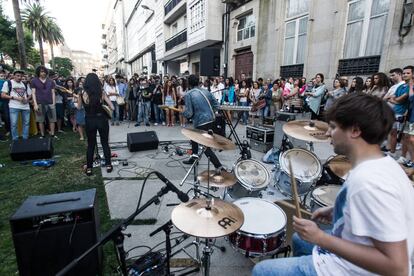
x=19 y=34
x=35 y=18
x=63 y=66
x=54 y=37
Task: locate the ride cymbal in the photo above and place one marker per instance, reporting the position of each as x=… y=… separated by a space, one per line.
x=307 y=130
x=196 y=219
x=208 y=139
x=221 y=180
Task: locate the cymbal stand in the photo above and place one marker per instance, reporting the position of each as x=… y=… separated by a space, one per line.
x=207 y=251
x=243 y=146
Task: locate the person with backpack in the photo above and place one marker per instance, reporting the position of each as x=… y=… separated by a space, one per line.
x=19 y=96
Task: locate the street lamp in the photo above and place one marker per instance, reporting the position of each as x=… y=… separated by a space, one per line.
x=145 y=7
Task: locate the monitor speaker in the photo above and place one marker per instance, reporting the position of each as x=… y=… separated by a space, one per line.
x=30 y=149
x=138 y=141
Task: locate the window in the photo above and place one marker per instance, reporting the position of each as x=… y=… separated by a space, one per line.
x=297 y=7
x=246 y=28
x=365 y=27
x=197 y=16
x=296 y=31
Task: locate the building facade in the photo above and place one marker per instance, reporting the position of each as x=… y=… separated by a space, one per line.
x=262 y=38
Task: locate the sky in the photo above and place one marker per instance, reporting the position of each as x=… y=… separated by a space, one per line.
x=80 y=21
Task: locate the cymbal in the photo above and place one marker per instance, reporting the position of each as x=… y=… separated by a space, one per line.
x=221 y=180
x=307 y=130
x=209 y=140
x=193 y=218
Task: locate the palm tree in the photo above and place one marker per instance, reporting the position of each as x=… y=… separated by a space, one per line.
x=54 y=37
x=19 y=34
x=35 y=18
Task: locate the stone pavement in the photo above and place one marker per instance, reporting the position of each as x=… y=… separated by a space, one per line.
x=123 y=190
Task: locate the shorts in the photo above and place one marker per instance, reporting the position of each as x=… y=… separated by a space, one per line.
x=409 y=128
x=169 y=101
x=398 y=123
x=46 y=109
x=80 y=117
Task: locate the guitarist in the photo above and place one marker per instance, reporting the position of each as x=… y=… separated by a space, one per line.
x=200 y=106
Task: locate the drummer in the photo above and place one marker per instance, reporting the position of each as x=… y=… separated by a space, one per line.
x=373 y=213
x=201 y=107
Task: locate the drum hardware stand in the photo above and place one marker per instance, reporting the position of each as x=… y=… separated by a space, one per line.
x=167 y=229
x=116 y=235
x=284 y=250
x=243 y=146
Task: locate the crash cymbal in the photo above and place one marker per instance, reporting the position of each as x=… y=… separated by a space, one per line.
x=221 y=180
x=208 y=139
x=195 y=219
x=307 y=130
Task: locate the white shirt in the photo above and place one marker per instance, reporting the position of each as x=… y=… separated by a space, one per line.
x=376 y=201
x=111 y=89
x=217 y=93
x=18 y=90
x=392 y=91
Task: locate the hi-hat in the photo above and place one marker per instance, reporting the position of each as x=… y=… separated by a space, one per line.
x=220 y=180
x=196 y=219
x=306 y=130
x=208 y=139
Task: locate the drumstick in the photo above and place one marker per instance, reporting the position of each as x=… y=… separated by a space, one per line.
x=294 y=190
x=290 y=205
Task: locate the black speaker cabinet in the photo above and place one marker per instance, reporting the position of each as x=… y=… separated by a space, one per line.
x=31 y=149
x=138 y=141
x=50 y=231
x=210 y=62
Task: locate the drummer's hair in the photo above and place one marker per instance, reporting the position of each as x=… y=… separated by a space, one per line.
x=370 y=114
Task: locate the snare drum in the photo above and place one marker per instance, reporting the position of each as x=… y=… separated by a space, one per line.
x=306 y=169
x=251 y=174
x=264 y=229
x=324 y=196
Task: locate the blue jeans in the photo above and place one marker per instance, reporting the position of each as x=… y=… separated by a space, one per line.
x=159 y=114
x=144 y=110
x=14 y=115
x=245 y=114
x=265 y=111
x=301 y=264
x=115 y=113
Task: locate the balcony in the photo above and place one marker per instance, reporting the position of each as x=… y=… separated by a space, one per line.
x=176 y=40
x=359 y=66
x=173 y=10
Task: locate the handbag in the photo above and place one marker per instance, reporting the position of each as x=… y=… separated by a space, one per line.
x=120 y=100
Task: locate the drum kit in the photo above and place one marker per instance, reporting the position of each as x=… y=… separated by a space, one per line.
x=254 y=226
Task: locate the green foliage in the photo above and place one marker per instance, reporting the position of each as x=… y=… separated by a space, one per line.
x=63 y=66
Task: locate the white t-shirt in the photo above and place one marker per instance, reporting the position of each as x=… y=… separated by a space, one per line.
x=111 y=89
x=392 y=91
x=217 y=93
x=376 y=201
x=18 y=90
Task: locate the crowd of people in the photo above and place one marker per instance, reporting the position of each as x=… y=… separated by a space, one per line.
x=141 y=100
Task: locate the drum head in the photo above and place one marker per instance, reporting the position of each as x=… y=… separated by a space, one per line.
x=251 y=174
x=261 y=217
x=326 y=195
x=339 y=165
x=306 y=166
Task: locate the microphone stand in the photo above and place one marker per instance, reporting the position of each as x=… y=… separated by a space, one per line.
x=116 y=235
x=167 y=229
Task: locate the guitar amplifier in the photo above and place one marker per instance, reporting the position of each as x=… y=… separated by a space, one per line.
x=260 y=133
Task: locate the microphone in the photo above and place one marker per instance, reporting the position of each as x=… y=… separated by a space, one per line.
x=181 y=195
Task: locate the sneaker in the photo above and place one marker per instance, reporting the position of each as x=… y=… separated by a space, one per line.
x=137 y=125
x=155 y=124
x=393 y=155
x=147 y=124
x=189 y=161
x=402 y=160
x=399 y=146
x=112 y=124
x=117 y=123
x=61 y=131
x=163 y=123
x=384 y=148
x=409 y=164
x=41 y=137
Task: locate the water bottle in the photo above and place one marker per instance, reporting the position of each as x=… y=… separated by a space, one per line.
x=44 y=163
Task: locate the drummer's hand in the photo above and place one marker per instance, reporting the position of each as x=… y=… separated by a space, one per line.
x=308 y=230
x=323 y=215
